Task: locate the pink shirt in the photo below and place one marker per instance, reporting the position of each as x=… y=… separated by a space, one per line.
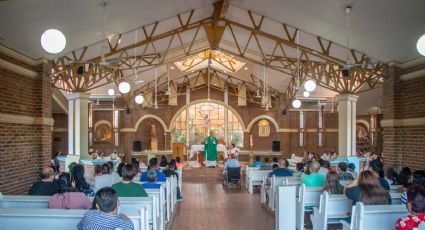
x=70 y=200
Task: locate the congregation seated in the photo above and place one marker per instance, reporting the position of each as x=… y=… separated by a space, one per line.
x=127 y=188
x=332 y=185
x=257 y=162
x=67 y=197
x=232 y=163
x=119 y=169
x=46 y=186
x=151 y=180
x=179 y=164
x=275 y=161
x=97 y=170
x=105 y=213
x=415 y=206
x=324 y=167
x=314 y=178
x=299 y=170
x=77 y=177
x=417 y=179
x=282 y=169
x=266 y=163
x=171 y=169
x=163 y=162
x=392 y=176
x=106 y=179
x=378 y=169
x=367 y=189
x=153 y=166
x=344 y=176
x=351 y=168
x=405 y=178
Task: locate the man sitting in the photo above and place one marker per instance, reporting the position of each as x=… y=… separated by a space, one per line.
x=47 y=186
x=344 y=176
x=232 y=163
x=151 y=181
x=153 y=164
x=257 y=162
x=105 y=216
x=105 y=180
x=282 y=170
x=314 y=178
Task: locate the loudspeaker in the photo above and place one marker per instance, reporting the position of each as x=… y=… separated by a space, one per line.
x=276 y=146
x=80 y=70
x=137 y=146
x=345 y=72
x=127 y=110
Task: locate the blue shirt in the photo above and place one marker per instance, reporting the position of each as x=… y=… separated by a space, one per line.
x=159 y=176
x=232 y=163
x=151 y=185
x=257 y=164
x=281 y=172
x=97 y=220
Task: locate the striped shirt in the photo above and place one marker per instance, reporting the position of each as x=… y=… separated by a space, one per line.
x=97 y=220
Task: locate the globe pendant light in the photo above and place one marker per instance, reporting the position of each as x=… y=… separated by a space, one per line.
x=124 y=87
x=420 y=46
x=306 y=94
x=310 y=85
x=296 y=103
x=139 y=99
x=111 y=92
x=53 y=41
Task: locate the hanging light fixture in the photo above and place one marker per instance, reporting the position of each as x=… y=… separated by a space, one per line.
x=52 y=40
x=111 y=92
x=420 y=46
x=310 y=85
x=124 y=87
x=306 y=94
x=296 y=103
x=139 y=99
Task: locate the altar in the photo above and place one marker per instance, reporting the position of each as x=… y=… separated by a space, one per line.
x=200 y=148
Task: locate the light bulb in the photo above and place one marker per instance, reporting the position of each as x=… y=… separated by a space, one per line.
x=420 y=46
x=111 y=92
x=139 y=99
x=124 y=87
x=296 y=103
x=310 y=85
x=53 y=41
x=306 y=94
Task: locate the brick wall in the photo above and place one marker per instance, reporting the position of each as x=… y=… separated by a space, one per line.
x=404 y=145
x=25 y=146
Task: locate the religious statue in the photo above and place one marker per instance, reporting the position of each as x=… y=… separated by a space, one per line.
x=210 y=151
x=154 y=140
x=206 y=125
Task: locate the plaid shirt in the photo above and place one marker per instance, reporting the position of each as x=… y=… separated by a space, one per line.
x=97 y=220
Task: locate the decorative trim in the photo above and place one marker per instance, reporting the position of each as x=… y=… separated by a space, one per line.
x=20 y=57
x=60 y=130
x=133 y=130
x=417 y=121
x=360 y=121
x=267 y=117
x=409 y=64
x=18 y=69
x=413 y=75
x=102 y=122
x=27 y=120
x=308 y=130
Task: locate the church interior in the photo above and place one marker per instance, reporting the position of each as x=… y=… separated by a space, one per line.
x=210 y=83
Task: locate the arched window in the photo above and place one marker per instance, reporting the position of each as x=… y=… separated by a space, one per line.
x=203 y=117
x=263 y=128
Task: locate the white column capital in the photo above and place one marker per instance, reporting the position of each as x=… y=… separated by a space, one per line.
x=347 y=97
x=78 y=95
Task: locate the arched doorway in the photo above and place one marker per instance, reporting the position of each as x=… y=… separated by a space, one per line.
x=190 y=125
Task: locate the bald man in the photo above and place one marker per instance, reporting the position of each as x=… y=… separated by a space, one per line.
x=314 y=179
x=46 y=186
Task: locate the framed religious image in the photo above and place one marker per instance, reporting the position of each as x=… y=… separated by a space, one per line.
x=263 y=128
x=103 y=133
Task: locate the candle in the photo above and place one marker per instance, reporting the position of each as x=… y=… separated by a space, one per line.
x=250 y=140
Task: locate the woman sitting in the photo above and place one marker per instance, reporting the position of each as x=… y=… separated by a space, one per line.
x=332 y=185
x=79 y=182
x=367 y=189
x=416 y=207
x=418 y=179
x=67 y=198
x=127 y=188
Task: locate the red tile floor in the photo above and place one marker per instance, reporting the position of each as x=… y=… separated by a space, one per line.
x=207 y=206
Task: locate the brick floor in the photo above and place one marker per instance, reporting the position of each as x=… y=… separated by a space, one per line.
x=206 y=206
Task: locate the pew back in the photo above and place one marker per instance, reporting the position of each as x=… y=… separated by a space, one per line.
x=307 y=197
x=377 y=217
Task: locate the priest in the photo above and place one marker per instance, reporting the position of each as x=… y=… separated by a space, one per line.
x=210 y=151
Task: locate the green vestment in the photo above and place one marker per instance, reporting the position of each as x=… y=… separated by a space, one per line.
x=210 y=149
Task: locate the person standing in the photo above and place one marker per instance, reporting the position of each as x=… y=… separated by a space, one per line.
x=210 y=151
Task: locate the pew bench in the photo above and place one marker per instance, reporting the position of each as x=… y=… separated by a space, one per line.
x=254 y=177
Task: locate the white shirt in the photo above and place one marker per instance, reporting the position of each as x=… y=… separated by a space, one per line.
x=235 y=151
x=106 y=180
x=323 y=171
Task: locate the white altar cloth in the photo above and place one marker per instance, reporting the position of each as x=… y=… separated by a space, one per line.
x=194 y=149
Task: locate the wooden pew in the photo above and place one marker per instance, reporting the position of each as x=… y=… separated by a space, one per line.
x=307 y=196
x=333 y=208
x=159 y=195
x=285 y=215
x=255 y=177
x=376 y=217
x=53 y=219
x=127 y=204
